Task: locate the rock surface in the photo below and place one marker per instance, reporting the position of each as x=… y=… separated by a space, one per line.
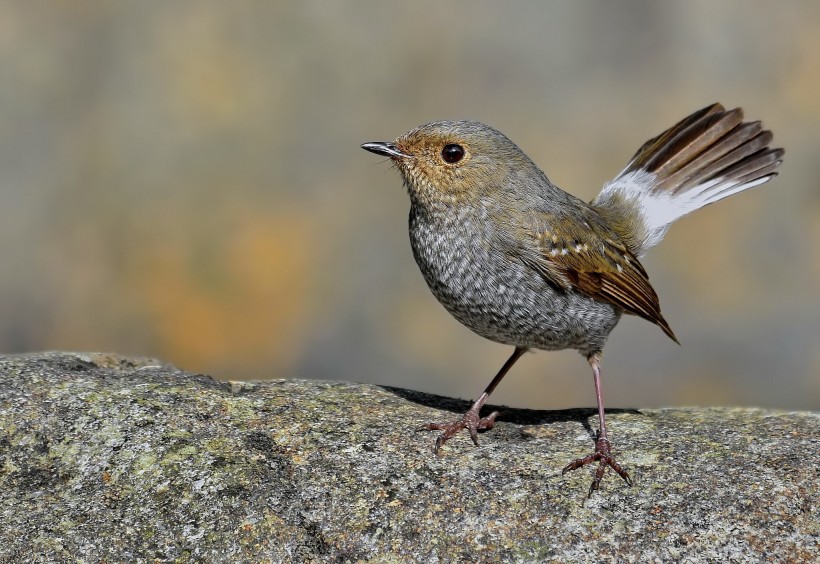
x=107 y=458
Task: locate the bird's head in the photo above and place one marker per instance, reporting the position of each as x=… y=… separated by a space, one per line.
x=454 y=162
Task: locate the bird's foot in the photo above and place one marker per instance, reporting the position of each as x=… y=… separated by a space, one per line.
x=469 y=421
x=604 y=456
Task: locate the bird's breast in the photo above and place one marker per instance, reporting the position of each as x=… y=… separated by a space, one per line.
x=453 y=255
x=495 y=295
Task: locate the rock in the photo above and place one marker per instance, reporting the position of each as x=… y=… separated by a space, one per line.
x=106 y=458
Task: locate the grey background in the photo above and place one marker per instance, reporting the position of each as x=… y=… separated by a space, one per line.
x=184 y=180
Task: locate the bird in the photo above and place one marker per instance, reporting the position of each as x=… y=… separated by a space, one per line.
x=521 y=262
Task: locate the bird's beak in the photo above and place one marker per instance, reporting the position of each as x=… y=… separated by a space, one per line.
x=386 y=149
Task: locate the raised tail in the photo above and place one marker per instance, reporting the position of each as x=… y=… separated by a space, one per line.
x=708 y=156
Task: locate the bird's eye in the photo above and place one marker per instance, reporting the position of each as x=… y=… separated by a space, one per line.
x=452 y=153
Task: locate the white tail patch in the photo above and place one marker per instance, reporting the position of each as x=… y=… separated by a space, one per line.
x=659 y=209
x=707 y=156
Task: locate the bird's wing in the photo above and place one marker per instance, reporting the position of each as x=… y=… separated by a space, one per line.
x=588 y=257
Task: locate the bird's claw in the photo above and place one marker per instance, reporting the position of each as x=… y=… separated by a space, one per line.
x=606 y=460
x=470 y=421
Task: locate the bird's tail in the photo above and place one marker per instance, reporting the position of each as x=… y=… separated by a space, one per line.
x=708 y=156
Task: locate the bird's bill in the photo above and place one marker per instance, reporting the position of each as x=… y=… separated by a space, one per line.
x=386 y=149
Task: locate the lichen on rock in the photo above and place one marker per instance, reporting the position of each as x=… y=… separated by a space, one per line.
x=110 y=458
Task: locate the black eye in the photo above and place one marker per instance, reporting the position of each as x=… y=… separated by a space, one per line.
x=452 y=153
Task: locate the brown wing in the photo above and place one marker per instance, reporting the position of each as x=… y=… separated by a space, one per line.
x=587 y=257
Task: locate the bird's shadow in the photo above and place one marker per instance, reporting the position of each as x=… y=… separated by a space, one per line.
x=514 y=415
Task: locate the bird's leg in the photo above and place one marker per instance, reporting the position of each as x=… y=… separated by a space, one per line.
x=470 y=420
x=602 y=446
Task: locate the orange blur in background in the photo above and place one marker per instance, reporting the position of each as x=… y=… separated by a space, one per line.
x=185 y=181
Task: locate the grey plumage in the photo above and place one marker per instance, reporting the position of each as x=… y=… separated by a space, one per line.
x=466 y=261
x=521 y=262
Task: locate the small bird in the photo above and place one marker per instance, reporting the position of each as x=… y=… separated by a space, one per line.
x=521 y=262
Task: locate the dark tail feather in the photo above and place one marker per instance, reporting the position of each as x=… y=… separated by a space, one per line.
x=705 y=157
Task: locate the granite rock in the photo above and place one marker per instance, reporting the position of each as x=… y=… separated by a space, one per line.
x=108 y=458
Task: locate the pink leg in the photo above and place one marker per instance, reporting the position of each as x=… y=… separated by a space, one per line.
x=471 y=420
x=602 y=445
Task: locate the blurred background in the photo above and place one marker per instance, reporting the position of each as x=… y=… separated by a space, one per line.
x=184 y=180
